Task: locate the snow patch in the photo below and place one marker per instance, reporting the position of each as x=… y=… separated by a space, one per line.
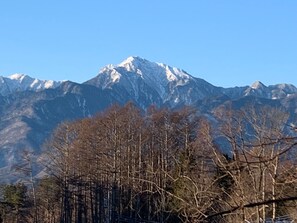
x=115 y=76
x=16 y=76
x=49 y=84
x=257 y=85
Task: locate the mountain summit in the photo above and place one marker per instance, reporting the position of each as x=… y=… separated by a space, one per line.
x=156 y=75
x=160 y=72
x=149 y=81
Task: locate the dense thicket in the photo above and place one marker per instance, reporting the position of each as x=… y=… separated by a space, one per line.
x=163 y=166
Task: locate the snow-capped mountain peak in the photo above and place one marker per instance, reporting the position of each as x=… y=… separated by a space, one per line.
x=258 y=85
x=135 y=61
x=137 y=75
x=277 y=91
x=142 y=66
x=156 y=75
x=22 y=82
x=17 y=76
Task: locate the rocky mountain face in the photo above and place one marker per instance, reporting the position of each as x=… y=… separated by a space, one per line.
x=31 y=109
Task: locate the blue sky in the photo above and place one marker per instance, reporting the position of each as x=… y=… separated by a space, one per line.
x=227 y=43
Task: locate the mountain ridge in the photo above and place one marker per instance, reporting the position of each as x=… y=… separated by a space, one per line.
x=21 y=82
x=163 y=75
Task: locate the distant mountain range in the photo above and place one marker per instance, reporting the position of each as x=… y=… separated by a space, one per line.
x=21 y=82
x=30 y=108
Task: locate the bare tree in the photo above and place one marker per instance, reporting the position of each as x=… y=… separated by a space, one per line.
x=259 y=145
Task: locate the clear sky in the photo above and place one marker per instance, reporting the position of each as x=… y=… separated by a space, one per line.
x=226 y=42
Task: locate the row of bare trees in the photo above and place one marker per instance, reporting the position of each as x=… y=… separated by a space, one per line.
x=124 y=165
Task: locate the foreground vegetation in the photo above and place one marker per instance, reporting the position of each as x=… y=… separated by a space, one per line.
x=163 y=166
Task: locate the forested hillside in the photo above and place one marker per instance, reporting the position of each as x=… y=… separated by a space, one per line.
x=126 y=165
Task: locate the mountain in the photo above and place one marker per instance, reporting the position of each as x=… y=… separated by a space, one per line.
x=148 y=83
x=30 y=109
x=22 y=82
x=271 y=92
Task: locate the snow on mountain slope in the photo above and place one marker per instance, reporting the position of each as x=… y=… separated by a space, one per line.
x=137 y=75
x=282 y=90
x=277 y=91
x=128 y=72
x=258 y=89
x=22 y=82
